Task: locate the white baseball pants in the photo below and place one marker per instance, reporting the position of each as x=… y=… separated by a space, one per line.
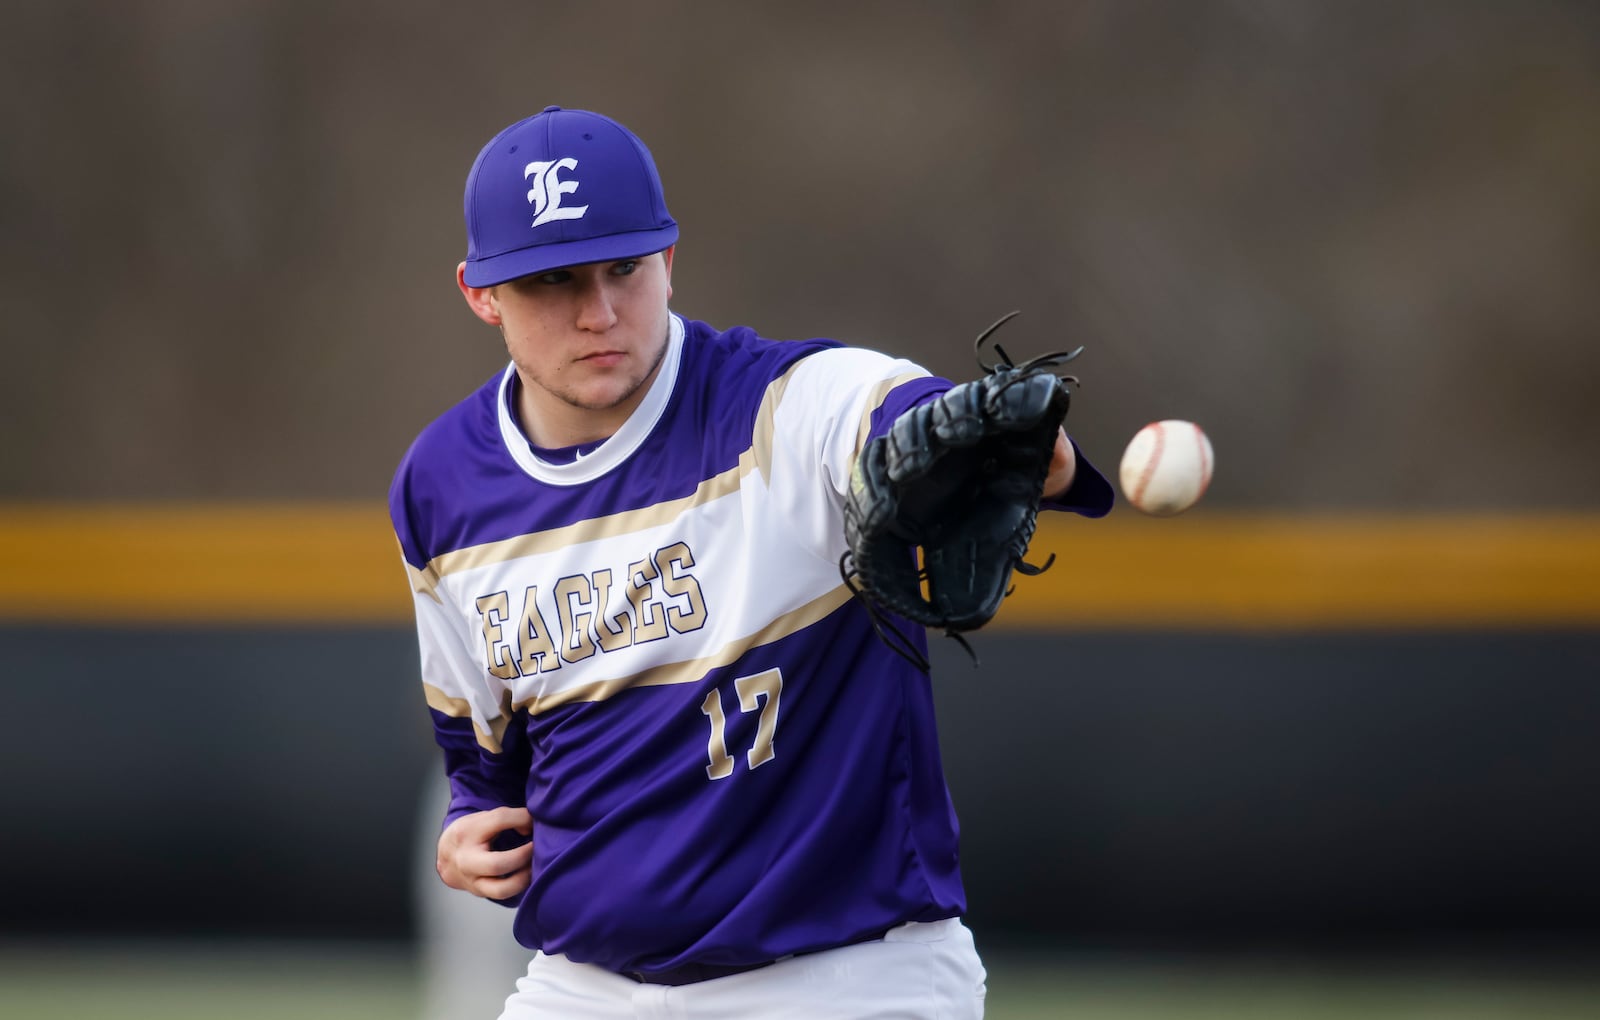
x=915 y=972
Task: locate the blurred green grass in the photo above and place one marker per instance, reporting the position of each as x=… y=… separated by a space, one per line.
x=193 y=980
x=300 y=981
x=1030 y=987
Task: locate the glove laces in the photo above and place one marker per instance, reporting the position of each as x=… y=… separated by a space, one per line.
x=893 y=638
x=1005 y=363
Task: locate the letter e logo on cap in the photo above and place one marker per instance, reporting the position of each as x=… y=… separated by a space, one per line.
x=548 y=188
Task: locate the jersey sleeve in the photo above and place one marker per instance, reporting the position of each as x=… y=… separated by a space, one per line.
x=1089 y=494
x=485 y=755
x=835 y=401
x=818 y=419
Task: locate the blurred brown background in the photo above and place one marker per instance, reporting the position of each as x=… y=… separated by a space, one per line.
x=1356 y=240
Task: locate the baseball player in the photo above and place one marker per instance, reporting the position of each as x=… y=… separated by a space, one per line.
x=676 y=744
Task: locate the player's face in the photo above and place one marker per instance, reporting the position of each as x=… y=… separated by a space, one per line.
x=587 y=341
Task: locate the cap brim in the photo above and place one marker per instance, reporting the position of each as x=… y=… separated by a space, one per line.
x=541 y=258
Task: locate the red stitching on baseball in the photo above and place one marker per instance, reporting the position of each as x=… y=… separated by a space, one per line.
x=1205 y=463
x=1150 y=464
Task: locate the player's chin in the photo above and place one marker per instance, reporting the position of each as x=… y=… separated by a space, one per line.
x=605 y=390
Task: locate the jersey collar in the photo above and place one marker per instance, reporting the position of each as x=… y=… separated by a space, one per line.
x=614 y=450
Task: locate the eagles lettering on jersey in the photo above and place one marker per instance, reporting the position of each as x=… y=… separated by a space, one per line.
x=651 y=648
x=658 y=596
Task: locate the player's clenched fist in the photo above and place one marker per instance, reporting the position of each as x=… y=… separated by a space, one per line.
x=467 y=859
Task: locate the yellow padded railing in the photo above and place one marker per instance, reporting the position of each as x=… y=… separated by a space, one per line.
x=338 y=564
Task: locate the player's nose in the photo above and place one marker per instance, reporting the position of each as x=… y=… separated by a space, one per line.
x=596 y=310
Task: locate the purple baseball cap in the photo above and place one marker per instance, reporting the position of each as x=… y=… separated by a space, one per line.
x=562 y=188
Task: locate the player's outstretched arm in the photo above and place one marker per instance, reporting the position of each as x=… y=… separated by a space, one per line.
x=468 y=861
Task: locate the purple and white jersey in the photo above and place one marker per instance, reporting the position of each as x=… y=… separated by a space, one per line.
x=652 y=649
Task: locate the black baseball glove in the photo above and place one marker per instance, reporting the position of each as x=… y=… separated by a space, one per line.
x=942 y=507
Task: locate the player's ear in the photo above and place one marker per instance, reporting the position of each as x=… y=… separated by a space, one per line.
x=480 y=299
x=666 y=256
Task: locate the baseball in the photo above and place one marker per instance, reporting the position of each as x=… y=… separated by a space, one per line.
x=1166 y=468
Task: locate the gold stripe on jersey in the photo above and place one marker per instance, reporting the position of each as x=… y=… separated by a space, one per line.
x=875 y=400
x=691 y=670
x=423 y=582
x=766 y=426
x=491 y=739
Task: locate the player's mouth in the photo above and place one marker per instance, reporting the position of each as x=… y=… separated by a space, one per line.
x=603 y=359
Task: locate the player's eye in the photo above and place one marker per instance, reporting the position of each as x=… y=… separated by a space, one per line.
x=555 y=276
x=624 y=268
